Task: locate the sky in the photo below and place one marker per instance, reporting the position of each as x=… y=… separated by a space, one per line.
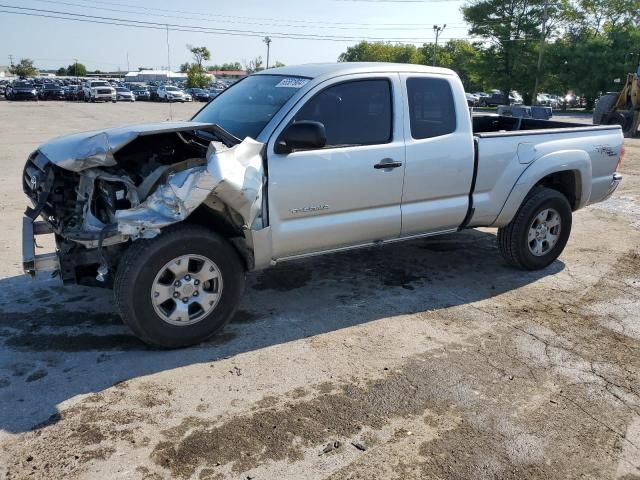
x=53 y=42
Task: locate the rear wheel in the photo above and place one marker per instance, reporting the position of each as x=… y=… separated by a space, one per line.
x=538 y=233
x=179 y=288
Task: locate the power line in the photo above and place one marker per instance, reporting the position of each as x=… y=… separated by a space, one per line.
x=261 y=21
x=304 y=22
x=53 y=14
x=243 y=22
x=196 y=28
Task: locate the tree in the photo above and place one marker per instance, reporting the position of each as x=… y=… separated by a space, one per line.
x=25 y=68
x=588 y=63
x=62 y=71
x=200 y=54
x=254 y=65
x=225 y=67
x=184 y=67
x=459 y=55
x=512 y=29
x=196 y=78
x=278 y=64
x=382 y=52
x=76 y=70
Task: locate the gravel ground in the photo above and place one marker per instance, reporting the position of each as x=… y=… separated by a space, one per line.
x=429 y=359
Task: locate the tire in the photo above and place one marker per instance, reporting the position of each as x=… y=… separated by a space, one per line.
x=145 y=260
x=603 y=106
x=514 y=241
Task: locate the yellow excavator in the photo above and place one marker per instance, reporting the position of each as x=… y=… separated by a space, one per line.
x=621 y=108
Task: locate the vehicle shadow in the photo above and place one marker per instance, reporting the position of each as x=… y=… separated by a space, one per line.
x=59 y=342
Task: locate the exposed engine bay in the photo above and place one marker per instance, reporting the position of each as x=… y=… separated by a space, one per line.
x=101 y=190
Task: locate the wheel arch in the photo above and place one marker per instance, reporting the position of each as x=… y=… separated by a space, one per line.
x=568 y=172
x=218 y=217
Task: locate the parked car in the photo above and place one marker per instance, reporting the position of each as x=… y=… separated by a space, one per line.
x=21 y=90
x=124 y=95
x=99 y=90
x=215 y=91
x=140 y=92
x=153 y=93
x=169 y=93
x=198 y=94
x=515 y=97
x=497 y=97
x=472 y=100
x=481 y=96
x=74 y=92
x=51 y=91
x=352 y=155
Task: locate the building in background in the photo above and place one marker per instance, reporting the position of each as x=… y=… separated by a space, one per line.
x=154 y=76
x=228 y=74
x=4 y=72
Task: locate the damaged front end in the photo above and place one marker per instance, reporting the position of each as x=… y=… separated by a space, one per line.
x=99 y=191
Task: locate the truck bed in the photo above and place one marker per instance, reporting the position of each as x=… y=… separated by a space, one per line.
x=485 y=125
x=507 y=147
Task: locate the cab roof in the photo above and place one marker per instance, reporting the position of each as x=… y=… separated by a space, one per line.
x=315 y=70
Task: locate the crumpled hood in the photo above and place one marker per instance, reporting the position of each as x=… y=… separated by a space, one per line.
x=81 y=151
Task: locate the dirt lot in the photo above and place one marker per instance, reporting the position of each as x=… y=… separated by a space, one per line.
x=430 y=359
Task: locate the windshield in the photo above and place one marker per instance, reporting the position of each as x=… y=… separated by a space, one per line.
x=121 y=89
x=171 y=89
x=23 y=85
x=100 y=84
x=246 y=108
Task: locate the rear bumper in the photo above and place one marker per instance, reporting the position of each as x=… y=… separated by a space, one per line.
x=32 y=263
x=615 y=182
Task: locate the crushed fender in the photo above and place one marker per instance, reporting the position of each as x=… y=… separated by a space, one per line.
x=233 y=175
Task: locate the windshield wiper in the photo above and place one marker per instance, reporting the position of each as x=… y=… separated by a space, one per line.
x=221 y=134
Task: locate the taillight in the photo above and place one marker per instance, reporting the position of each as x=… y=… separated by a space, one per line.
x=622 y=152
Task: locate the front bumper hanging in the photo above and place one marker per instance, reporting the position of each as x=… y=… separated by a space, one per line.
x=32 y=263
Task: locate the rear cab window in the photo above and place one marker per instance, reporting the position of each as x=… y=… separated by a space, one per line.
x=431 y=107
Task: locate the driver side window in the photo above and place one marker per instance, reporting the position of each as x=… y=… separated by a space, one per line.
x=353 y=113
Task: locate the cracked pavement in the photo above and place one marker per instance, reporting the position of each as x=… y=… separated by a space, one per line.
x=428 y=359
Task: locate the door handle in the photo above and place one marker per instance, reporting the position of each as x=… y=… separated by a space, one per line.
x=387 y=164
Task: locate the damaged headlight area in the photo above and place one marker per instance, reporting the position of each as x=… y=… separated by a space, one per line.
x=105 y=190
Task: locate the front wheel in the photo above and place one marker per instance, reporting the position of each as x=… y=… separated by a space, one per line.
x=538 y=233
x=179 y=288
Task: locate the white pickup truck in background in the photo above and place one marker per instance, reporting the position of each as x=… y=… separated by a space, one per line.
x=99 y=90
x=301 y=161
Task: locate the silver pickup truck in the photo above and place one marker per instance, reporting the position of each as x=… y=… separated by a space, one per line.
x=300 y=161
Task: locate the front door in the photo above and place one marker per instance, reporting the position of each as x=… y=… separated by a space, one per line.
x=340 y=195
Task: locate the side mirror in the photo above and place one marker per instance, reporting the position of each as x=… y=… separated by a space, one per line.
x=304 y=135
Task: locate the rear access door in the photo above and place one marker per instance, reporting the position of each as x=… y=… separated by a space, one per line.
x=439 y=154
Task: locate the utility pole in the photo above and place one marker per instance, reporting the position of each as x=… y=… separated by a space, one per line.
x=75 y=65
x=128 y=69
x=438 y=30
x=168 y=53
x=11 y=59
x=267 y=40
x=543 y=31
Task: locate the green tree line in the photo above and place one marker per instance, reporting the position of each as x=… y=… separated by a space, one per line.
x=531 y=45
